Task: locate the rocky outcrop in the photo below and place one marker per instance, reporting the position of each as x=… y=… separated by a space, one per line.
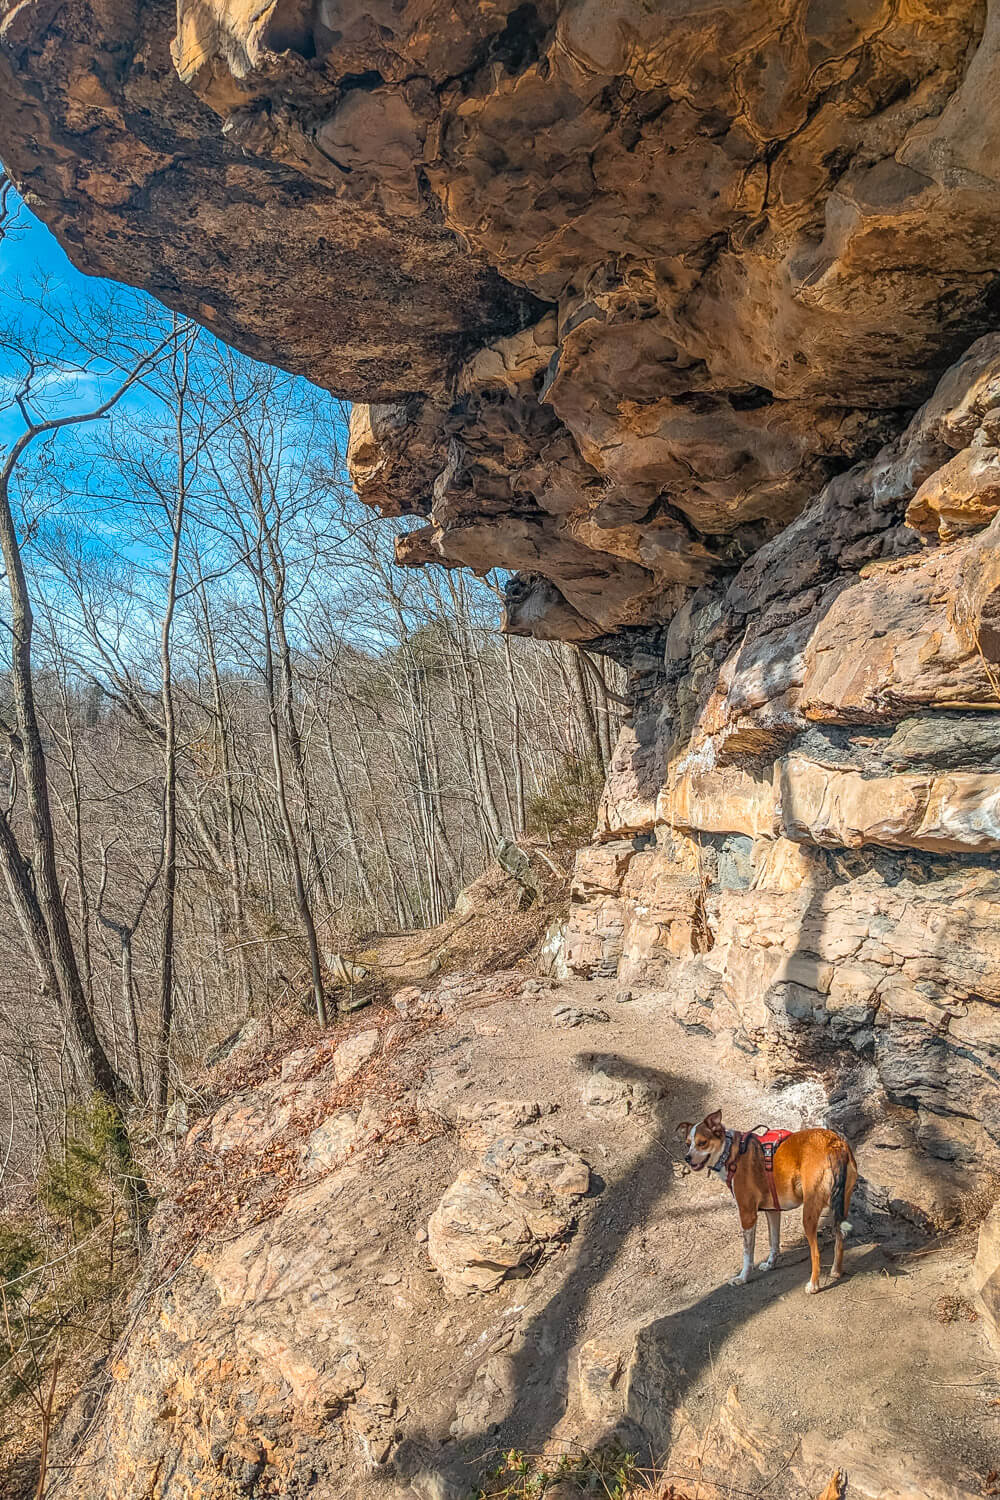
x=623 y=285
x=986 y=1275
x=637 y=303
x=800 y=832
x=498 y=1217
x=442 y=1272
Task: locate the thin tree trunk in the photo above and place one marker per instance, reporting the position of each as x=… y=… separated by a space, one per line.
x=491 y=814
x=518 y=748
x=235 y=888
x=50 y=900
x=584 y=707
x=405 y=914
x=169 y=894
x=29 y=914
x=298 y=881
x=289 y=721
x=354 y=843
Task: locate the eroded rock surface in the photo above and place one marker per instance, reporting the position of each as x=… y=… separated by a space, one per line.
x=799 y=838
x=642 y=301
x=622 y=284
x=986 y=1275
x=449 y=1271
x=638 y=302
x=500 y=1216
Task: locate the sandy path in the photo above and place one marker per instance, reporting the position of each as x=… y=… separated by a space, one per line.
x=655 y=1251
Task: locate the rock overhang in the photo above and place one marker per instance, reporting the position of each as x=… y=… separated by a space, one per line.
x=624 y=285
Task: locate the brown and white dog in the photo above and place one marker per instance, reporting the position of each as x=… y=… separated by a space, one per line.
x=812 y=1168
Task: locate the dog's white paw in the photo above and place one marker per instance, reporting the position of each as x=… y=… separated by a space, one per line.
x=740 y=1280
x=767 y=1265
x=811 y=1287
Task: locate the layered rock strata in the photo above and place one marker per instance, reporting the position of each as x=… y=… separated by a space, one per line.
x=625 y=283
x=800 y=831
x=641 y=300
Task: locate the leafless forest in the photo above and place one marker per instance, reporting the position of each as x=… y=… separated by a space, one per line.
x=237 y=738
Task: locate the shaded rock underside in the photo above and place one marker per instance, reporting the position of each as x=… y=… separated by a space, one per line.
x=624 y=283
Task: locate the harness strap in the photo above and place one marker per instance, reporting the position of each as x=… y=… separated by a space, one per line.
x=767 y=1140
x=737 y=1139
x=768 y=1151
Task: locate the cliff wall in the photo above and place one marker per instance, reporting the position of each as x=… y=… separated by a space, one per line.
x=643 y=301
x=684 y=314
x=798 y=837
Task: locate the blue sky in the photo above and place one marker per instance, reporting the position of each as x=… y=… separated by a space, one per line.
x=73 y=487
x=75 y=490
x=35 y=251
x=32 y=258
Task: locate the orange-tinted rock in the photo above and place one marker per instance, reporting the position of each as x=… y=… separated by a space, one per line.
x=946 y=813
x=986 y=1274
x=626 y=291
x=909 y=635
x=961 y=497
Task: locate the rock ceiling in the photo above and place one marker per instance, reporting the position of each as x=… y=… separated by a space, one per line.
x=622 y=283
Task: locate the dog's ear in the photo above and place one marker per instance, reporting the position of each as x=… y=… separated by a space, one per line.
x=683 y=1130
x=714 y=1121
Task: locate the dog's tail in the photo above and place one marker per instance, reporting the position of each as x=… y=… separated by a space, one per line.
x=839 y=1193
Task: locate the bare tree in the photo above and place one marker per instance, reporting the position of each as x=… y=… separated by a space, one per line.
x=256 y=740
x=55 y=948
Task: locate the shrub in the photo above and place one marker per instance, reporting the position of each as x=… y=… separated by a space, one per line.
x=76 y=1187
x=19 y=1251
x=609 y=1472
x=65 y=1274
x=566 y=806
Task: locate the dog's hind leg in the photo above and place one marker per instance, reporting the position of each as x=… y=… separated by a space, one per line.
x=774 y=1235
x=845 y=1177
x=811 y=1212
x=749 y=1240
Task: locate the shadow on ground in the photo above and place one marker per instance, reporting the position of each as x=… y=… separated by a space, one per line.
x=439 y=1465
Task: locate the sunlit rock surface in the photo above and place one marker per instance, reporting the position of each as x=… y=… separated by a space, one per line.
x=683 y=315
x=627 y=283
x=662 y=309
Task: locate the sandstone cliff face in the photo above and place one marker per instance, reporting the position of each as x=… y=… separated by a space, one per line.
x=642 y=299
x=799 y=833
x=682 y=313
x=627 y=282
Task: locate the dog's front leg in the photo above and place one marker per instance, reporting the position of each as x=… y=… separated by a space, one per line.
x=749 y=1240
x=774 y=1235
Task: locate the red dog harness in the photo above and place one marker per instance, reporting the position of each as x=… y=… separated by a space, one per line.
x=767 y=1140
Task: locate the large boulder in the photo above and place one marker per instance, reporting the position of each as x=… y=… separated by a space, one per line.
x=499 y=1216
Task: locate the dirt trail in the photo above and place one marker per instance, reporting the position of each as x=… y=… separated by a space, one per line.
x=325 y=1344
x=889 y=1352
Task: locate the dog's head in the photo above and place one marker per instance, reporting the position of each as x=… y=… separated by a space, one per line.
x=704 y=1142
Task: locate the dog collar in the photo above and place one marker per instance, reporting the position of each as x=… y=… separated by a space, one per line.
x=721 y=1166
